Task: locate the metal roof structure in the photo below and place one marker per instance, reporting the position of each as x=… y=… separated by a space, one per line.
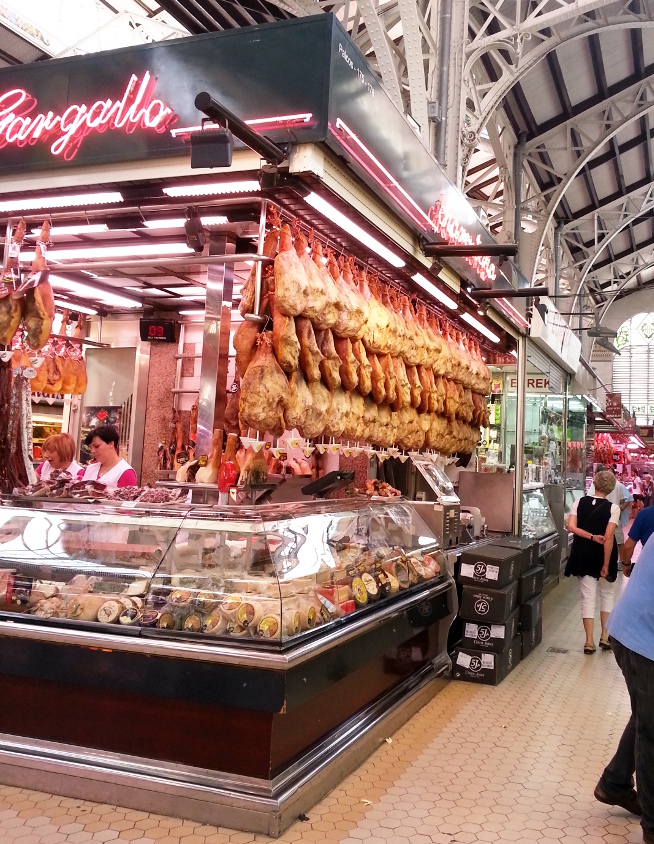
x=572 y=79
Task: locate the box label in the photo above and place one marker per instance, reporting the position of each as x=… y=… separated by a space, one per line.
x=488 y=660
x=471 y=630
x=467 y=570
x=497 y=631
x=463 y=659
x=492 y=572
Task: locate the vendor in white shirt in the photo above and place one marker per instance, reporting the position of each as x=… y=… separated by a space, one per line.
x=109 y=468
x=58 y=452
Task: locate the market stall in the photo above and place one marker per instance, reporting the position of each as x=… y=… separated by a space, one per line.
x=241 y=660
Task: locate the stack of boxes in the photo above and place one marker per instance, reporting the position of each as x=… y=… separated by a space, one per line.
x=530 y=592
x=501 y=609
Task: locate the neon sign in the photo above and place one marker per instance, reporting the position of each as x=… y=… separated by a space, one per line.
x=21 y=126
x=448 y=227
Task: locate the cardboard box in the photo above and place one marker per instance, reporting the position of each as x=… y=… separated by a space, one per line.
x=531 y=612
x=530 y=584
x=531 y=638
x=490 y=565
x=527 y=547
x=485 y=667
x=490 y=637
x=494 y=606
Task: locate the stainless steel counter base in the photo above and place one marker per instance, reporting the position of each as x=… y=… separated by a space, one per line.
x=265 y=807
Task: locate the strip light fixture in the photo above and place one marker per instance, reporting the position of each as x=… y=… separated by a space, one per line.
x=435 y=292
x=480 y=327
x=138 y=248
x=61 y=303
x=351 y=228
x=93 y=294
x=178 y=222
x=89 y=228
x=211 y=188
x=63 y=201
x=282 y=121
x=191 y=313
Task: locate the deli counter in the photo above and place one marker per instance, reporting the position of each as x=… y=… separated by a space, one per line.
x=228 y=665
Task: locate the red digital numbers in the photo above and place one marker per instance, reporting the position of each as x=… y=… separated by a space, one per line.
x=155 y=331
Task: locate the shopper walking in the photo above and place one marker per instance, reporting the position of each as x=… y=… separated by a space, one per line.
x=631 y=629
x=620 y=495
x=648 y=490
x=640 y=531
x=594 y=554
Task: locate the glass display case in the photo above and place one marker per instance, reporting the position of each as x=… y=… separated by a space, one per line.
x=268 y=573
x=537 y=519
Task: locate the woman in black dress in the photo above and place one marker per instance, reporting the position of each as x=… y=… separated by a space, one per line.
x=594 y=554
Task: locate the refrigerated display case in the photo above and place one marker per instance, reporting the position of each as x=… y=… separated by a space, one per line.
x=539 y=523
x=238 y=662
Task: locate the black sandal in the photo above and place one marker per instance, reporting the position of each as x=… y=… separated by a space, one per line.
x=604 y=644
x=590 y=649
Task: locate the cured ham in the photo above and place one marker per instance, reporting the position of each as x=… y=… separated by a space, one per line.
x=327 y=315
x=310 y=355
x=336 y=417
x=270 y=244
x=284 y=337
x=331 y=363
x=364 y=385
x=298 y=407
x=321 y=402
x=264 y=390
x=353 y=313
x=390 y=380
x=11 y=311
x=403 y=396
x=291 y=284
x=415 y=385
x=315 y=297
x=38 y=301
x=377 y=379
x=349 y=369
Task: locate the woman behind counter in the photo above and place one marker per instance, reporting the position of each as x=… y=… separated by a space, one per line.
x=594 y=554
x=109 y=468
x=58 y=452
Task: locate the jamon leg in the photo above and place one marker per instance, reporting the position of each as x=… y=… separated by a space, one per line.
x=330 y=363
x=349 y=369
x=377 y=378
x=310 y=355
x=365 y=369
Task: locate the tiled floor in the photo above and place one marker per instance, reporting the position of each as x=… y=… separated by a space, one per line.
x=514 y=763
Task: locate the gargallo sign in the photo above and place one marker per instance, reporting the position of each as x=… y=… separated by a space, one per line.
x=23 y=124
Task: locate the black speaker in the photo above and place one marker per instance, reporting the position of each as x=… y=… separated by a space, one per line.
x=212 y=148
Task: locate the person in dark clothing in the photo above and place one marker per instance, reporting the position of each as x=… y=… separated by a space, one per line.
x=594 y=554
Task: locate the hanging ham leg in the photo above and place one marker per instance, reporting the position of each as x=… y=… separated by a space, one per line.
x=264 y=391
x=270 y=244
x=331 y=363
x=349 y=369
x=416 y=386
x=38 y=305
x=291 y=284
x=321 y=403
x=390 y=381
x=377 y=379
x=10 y=308
x=310 y=355
x=365 y=369
x=327 y=316
x=403 y=397
x=425 y=387
x=285 y=342
x=298 y=407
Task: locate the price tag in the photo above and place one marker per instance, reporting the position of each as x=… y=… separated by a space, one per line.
x=471 y=630
x=488 y=661
x=497 y=631
x=493 y=572
x=463 y=659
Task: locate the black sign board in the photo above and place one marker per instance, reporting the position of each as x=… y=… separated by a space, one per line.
x=296 y=81
x=159 y=330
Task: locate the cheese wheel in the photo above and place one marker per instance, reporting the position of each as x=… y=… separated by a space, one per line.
x=85 y=607
x=270 y=627
x=215 y=623
x=236 y=629
x=250 y=613
x=192 y=623
x=230 y=604
x=110 y=612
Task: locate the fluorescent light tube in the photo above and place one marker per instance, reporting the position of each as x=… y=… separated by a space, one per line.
x=138 y=249
x=178 y=222
x=350 y=227
x=92 y=228
x=92 y=293
x=212 y=188
x=189 y=292
x=434 y=291
x=61 y=303
x=191 y=313
x=63 y=201
x=480 y=327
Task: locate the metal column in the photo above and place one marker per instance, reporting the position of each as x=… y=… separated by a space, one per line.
x=520 y=404
x=215 y=343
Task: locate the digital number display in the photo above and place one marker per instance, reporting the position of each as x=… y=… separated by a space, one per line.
x=158 y=331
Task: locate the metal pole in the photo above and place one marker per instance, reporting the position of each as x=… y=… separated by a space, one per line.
x=518 y=153
x=215 y=343
x=520 y=405
x=259 y=265
x=557 y=258
x=444 y=41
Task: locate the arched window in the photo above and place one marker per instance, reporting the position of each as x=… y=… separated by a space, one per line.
x=633 y=370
